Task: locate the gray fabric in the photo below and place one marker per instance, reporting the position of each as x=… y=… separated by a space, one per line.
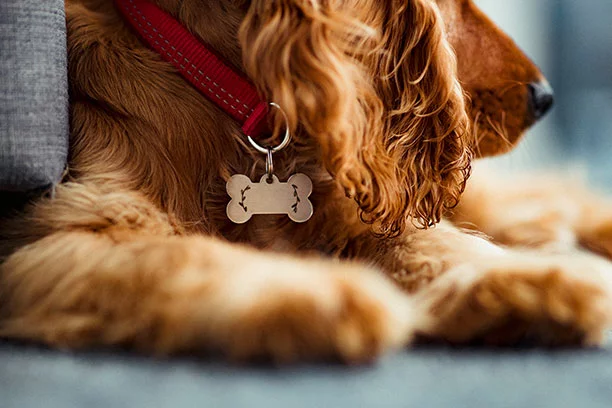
x=33 y=93
x=422 y=378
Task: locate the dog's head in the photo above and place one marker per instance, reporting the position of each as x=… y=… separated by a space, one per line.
x=507 y=93
x=377 y=89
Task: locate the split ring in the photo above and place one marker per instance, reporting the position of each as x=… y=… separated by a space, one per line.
x=269 y=165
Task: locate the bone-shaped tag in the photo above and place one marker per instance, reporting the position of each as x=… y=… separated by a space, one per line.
x=249 y=198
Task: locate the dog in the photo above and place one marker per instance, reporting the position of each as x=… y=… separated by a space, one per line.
x=387 y=103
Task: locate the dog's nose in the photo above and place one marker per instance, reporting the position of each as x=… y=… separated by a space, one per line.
x=541 y=98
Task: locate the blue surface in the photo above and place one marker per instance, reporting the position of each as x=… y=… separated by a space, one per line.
x=432 y=377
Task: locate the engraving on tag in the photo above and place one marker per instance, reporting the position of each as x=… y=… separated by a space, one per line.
x=249 y=198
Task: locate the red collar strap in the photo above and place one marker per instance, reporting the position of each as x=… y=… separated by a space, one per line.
x=230 y=91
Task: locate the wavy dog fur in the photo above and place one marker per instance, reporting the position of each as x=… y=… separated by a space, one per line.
x=135 y=249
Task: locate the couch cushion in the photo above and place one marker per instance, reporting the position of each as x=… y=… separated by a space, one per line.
x=33 y=93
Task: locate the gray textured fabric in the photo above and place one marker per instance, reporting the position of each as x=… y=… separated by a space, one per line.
x=33 y=93
x=422 y=378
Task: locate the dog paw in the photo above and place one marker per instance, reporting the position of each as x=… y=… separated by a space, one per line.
x=529 y=303
x=597 y=238
x=310 y=311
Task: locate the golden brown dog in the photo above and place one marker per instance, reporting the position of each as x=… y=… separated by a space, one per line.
x=135 y=249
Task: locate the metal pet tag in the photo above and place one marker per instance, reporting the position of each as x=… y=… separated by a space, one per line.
x=270 y=196
x=266 y=197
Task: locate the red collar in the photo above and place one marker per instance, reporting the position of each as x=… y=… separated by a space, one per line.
x=230 y=91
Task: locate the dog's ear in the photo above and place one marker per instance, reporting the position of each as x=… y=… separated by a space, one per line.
x=427 y=123
x=302 y=54
x=298 y=53
x=375 y=87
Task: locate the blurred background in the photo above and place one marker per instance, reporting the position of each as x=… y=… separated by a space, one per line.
x=571 y=40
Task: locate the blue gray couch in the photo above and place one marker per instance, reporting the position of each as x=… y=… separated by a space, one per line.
x=33 y=94
x=33 y=99
x=33 y=149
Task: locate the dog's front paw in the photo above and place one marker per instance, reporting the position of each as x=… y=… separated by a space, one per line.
x=533 y=302
x=356 y=323
x=597 y=236
x=305 y=311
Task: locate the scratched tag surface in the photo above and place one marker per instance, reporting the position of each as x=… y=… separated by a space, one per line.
x=275 y=197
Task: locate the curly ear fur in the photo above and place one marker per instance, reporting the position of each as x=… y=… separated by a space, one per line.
x=314 y=77
x=427 y=129
x=376 y=87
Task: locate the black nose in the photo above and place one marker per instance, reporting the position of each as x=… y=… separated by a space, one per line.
x=541 y=98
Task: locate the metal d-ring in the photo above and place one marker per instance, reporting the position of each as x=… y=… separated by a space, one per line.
x=269 y=150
